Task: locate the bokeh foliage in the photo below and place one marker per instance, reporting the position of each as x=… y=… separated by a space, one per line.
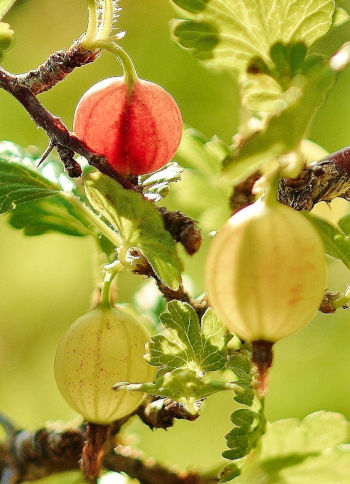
x=46 y=282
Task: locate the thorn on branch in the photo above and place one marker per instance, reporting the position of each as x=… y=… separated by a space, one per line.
x=46 y=153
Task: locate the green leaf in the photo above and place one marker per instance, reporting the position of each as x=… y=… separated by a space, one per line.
x=185 y=356
x=139 y=224
x=19 y=184
x=156 y=185
x=42 y=200
x=240 y=363
x=228 y=35
x=189 y=345
x=335 y=241
x=249 y=426
x=295 y=452
x=245 y=434
x=54 y=214
x=229 y=472
x=5 y=6
x=285 y=130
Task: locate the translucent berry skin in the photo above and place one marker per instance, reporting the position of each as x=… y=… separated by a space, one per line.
x=137 y=132
x=101 y=348
x=266 y=272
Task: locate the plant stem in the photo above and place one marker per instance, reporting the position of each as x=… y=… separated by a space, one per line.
x=130 y=73
x=92 y=219
x=91 y=31
x=111 y=271
x=107 y=22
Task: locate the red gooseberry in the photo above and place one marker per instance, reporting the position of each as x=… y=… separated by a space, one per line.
x=138 y=132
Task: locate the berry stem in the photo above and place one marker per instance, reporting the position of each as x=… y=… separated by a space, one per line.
x=91 y=31
x=111 y=270
x=107 y=21
x=93 y=453
x=130 y=73
x=262 y=358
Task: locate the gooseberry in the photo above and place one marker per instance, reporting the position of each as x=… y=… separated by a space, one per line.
x=102 y=347
x=138 y=130
x=266 y=272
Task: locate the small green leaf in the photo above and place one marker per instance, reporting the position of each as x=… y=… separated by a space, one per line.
x=229 y=35
x=229 y=472
x=199 y=348
x=248 y=428
x=335 y=241
x=156 y=185
x=138 y=223
x=5 y=6
x=200 y=38
x=240 y=363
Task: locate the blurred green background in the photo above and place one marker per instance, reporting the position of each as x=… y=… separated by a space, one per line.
x=46 y=282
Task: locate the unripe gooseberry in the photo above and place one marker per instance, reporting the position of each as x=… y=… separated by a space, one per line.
x=138 y=131
x=266 y=272
x=101 y=348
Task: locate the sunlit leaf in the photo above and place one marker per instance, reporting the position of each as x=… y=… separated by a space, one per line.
x=228 y=34
x=139 y=224
x=314 y=450
x=190 y=345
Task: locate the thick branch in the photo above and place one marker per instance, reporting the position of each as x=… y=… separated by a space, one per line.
x=320 y=181
x=58 y=65
x=29 y=456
